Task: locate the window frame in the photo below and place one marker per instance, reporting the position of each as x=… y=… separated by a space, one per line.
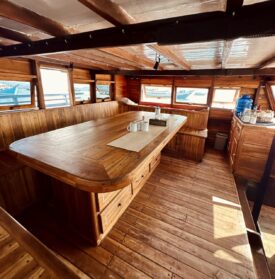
x=32 y=92
x=156 y=85
x=66 y=69
x=271 y=94
x=112 y=91
x=237 y=93
x=88 y=82
x=188 y=103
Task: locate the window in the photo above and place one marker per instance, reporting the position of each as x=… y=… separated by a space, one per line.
x=225 y=98
x=191 y=95
x=156 y=94
x=82 y=92
x=273 y=91
x=103 y=92
x=15 y=93
x=55 y=83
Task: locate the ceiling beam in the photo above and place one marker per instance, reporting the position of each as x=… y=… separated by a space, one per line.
x=20 y=14
x=139 y=60
x=110 y=11
x=118 y=16
x=13 y=35
x=250 y=21
x=233 y=5
x=267 y=62
x=212 y=72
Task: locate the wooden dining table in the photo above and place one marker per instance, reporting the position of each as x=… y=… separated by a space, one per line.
x=101 y=176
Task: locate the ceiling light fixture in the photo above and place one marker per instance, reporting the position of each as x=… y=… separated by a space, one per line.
x=157 y=62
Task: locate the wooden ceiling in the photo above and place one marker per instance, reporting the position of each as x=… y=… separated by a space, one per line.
x=25 y=21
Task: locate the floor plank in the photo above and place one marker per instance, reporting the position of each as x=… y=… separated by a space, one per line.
x=186 y=222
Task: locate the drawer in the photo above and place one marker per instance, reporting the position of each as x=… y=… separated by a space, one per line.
x=114 y=210
x=105 y=198
x=155 y=161
x=140 y=178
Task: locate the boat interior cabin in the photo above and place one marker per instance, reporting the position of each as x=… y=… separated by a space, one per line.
x=137 y=139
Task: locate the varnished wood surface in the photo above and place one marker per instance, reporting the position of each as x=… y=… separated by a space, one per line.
x=267 y=226
x=249 y=146
x=24 y=256
x=193 y=231
x=79 y=155
x=20 y=124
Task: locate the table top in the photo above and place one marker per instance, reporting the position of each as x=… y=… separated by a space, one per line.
x=79 y=155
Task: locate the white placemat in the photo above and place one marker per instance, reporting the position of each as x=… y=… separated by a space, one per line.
x=138 y=140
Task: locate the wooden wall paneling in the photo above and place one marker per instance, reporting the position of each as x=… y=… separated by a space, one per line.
x=16 y=67
x=81 y=74
x=17 y=125
x=120 y=87
x=133 y=89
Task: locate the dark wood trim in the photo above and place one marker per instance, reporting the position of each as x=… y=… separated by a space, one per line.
x=13 y=35
x=207 y=72
x=251 y=20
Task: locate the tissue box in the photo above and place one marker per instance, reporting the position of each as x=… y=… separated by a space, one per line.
x=158 y=122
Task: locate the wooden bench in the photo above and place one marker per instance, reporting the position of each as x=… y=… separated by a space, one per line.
x=189 y=142
x=24 y=256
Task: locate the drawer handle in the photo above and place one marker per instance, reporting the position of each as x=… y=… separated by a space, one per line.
x=119 y=205
x=142 y=176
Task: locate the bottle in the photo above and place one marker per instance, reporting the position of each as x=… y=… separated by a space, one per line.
x=245 y=102
x=157 y=112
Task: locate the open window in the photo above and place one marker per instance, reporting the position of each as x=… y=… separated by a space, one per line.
x=56 y=89
x=16 y=94
x=104 y=91
x=225 y=98
x=82 y=92
x=191 y=95
x=273 y=90
x=160 y=94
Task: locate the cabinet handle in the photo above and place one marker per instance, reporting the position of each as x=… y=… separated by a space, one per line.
x=119 y=205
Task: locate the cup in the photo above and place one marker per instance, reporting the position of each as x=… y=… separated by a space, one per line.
x=145 y=126
x=132 y=127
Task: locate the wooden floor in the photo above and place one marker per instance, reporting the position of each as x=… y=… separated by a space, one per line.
x=267 y=225
x=185 y=223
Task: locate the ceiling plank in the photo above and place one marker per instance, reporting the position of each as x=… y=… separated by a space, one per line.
x=20 y=14
x=139 y=60
x=73 y=58
x=169 y=54
x=99 y=56
x=118 y=16
x=252 y=20
x=13 y=35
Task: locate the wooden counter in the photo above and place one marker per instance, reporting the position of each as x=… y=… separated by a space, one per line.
x=248 y=148
x=105 y=179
